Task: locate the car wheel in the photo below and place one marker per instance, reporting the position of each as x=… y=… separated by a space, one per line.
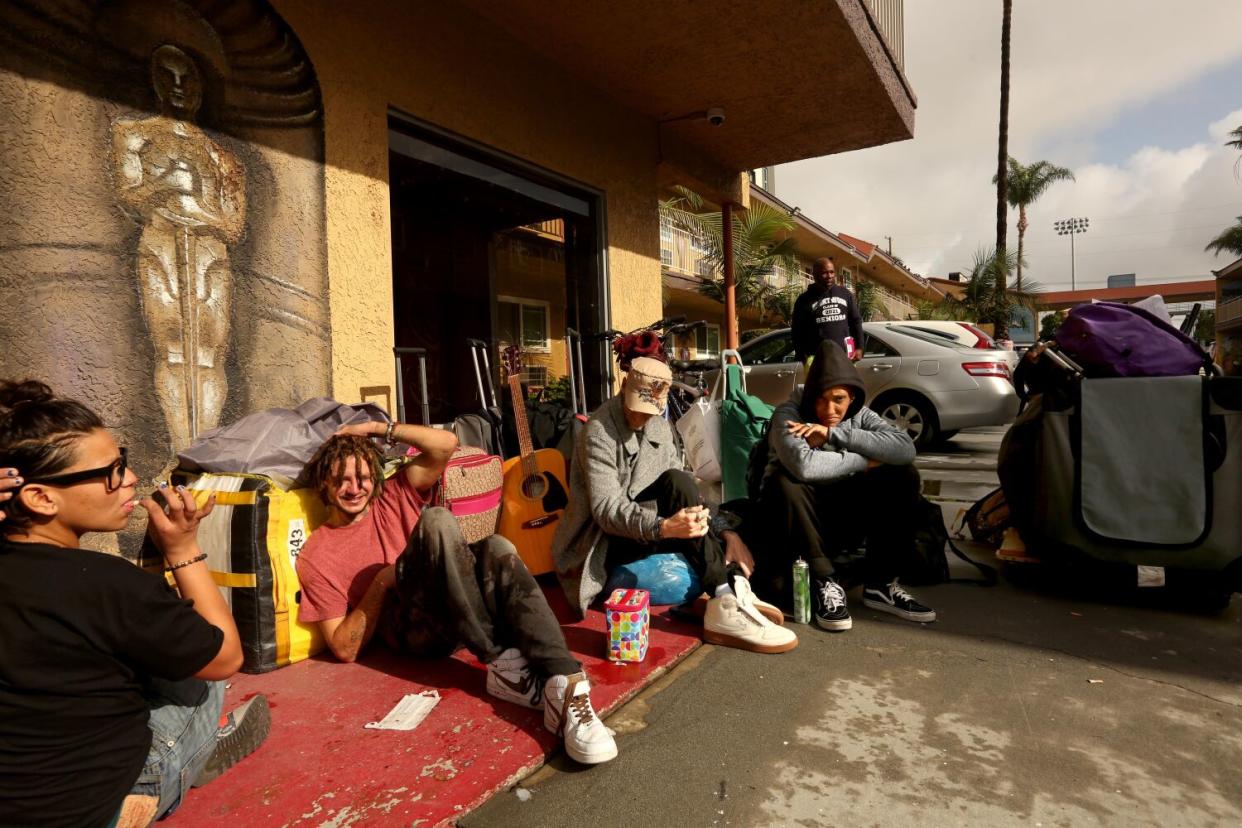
x=914 y=417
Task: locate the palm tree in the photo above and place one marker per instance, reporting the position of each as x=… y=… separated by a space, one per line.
x=1229 y=240
x=1236 y=143
x=1026 y=185
x=1002 y=183
x=980 y=299
x=762 y=245
x=868 y=299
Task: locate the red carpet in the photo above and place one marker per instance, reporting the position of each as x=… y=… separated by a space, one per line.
x=320 y=765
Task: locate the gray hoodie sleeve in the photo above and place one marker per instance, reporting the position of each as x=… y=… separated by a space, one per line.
x=611 y=507
x=875 y=438
x=803 y=462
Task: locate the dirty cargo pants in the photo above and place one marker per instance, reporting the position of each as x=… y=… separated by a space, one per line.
x=450 y=594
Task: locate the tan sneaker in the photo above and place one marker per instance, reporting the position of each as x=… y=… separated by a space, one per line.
x=735 y=621
x=770 y=611
x=567 y=711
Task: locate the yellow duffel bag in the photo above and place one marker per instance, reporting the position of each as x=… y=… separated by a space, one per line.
x=252 y=539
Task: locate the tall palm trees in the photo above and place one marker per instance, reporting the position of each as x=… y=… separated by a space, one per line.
x=1002 y=184
x=1230 y=239
x=1026 y=185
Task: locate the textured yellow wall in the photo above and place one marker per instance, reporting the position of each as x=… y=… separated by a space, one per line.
x=442 y=64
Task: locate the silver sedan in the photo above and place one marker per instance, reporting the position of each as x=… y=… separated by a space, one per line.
x=919 y=382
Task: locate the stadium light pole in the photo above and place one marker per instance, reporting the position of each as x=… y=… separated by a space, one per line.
x=1071 y=227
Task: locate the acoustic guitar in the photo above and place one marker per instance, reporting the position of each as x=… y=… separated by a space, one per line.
x=534 y=494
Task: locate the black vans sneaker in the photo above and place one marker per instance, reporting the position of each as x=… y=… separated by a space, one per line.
x=828 y=605
x=892 y=598
x=240 y=734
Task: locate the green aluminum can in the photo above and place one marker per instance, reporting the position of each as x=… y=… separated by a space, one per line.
x=802 y=592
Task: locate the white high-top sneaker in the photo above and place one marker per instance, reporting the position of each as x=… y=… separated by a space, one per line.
x=567 y=711
x=735 y=621
x=509 y=679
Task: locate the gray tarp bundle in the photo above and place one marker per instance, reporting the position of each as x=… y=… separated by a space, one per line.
x=277 y=442
x=1130 y=482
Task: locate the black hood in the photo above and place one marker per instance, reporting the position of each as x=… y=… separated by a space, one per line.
x=830 y=368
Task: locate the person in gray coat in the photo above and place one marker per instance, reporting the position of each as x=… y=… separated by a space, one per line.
x=839 y=474
x=630 y=497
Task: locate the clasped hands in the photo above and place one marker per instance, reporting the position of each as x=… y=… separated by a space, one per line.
x=686 y=524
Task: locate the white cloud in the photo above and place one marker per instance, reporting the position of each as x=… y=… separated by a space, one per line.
x=1075 y=68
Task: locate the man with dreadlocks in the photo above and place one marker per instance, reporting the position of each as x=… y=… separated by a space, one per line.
x=386 y=563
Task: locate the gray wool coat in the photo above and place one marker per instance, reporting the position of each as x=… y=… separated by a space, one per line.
x=611 y=465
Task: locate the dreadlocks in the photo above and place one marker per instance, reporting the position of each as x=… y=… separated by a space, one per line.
x=326 y=469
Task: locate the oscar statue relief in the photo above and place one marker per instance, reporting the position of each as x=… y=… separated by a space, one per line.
x=188 y=194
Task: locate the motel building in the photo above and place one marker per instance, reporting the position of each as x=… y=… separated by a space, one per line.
x=212 y=207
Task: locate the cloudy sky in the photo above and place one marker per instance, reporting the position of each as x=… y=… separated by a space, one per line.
x=1135 y=96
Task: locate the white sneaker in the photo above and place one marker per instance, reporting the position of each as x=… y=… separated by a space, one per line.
x=567 y=712
x=509 y=679
x=735 y=621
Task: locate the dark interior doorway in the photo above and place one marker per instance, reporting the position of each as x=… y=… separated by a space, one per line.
x=485 y=248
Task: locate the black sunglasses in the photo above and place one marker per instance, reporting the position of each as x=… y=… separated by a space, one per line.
x=114 y=472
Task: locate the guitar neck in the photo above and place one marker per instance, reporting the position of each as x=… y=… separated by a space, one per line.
x=525 y=446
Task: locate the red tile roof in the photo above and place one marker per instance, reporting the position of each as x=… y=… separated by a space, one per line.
x=866 y=248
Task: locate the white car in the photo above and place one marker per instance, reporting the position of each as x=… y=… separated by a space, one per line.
x=964 y=333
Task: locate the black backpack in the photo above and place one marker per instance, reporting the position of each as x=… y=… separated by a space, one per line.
x=927 y=565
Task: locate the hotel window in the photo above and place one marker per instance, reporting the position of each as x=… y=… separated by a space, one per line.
x=524 y=322
x=707 y=341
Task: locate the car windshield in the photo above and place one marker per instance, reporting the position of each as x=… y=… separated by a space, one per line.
x=926 y=336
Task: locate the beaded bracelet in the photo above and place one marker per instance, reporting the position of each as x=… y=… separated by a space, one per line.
x=196 y=559
x=392 y=424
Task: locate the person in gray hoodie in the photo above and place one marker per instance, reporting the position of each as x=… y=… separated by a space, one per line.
x=838 y=474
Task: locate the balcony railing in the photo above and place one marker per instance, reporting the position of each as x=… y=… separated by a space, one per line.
x=889 y=19
x=683 y=252
x=780 y=278
x=1229 y=311
x=897 y=307
x=554 y=228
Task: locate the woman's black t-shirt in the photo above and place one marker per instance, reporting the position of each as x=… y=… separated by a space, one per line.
x=80 y=633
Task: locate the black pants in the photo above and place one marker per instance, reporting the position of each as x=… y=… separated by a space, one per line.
x=452 y=594
x=824 y=522
x=673 y=491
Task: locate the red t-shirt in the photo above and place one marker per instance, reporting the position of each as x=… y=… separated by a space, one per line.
x=338 y=563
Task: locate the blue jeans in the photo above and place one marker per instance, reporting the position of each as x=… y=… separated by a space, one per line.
x=185 y=716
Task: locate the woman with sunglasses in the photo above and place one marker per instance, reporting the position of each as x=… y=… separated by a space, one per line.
x=110 y=683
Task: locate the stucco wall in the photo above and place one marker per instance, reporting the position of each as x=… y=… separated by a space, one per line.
x=446 y=66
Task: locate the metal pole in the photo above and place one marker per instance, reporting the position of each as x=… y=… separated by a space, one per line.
x=400 y=392
x=1073 y=285
x=730 y=286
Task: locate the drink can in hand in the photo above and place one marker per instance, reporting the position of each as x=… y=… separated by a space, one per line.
x=802 y=592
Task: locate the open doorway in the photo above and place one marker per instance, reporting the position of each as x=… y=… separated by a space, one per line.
x=489 y=248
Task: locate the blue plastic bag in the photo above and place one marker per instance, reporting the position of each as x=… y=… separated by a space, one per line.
x=668 y=576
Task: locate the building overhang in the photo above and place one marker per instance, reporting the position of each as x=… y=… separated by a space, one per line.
x=816 y=79
x=1200 y=290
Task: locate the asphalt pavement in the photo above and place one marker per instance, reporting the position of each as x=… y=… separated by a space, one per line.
x=1034 y=702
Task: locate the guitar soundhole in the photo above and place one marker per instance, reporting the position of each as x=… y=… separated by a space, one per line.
x=535 y=487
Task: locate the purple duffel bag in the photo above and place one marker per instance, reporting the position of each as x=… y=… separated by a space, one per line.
x=1109 y=339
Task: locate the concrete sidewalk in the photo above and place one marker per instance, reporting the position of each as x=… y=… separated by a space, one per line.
x=1032 y=703
x=1015 y=707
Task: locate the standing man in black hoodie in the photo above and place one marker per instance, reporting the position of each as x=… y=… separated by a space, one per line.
x=838 y=474
x=827 y=311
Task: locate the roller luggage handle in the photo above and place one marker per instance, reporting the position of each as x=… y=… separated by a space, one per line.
x=721 y=379
x=577 y=385
x=477 y=347
x=420 y=354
